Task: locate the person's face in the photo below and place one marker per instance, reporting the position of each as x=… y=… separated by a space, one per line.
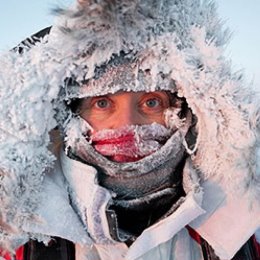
x=113 y=111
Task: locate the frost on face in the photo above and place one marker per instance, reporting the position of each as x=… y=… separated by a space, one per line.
x=130 y=143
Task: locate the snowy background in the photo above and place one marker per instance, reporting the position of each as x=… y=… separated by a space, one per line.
x=20 y=19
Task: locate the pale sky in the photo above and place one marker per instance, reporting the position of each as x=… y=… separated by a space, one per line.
x=20 y=19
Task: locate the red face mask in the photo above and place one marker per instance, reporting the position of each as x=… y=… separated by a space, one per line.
x=130 y=143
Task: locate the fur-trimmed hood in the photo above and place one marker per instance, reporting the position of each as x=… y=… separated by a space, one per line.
x=168 y=45
x=171 y=45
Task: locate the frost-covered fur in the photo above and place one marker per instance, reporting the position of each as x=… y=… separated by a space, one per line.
x=25 y=121
x=170 y=45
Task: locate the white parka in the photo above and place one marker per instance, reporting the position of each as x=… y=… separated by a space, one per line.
x=181 y=40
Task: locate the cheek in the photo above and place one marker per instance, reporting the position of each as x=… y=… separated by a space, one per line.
x=97 y=121
x=154 y=118
x=100 y=121
x=151 y=117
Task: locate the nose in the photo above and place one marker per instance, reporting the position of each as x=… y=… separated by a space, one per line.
x=128 y=115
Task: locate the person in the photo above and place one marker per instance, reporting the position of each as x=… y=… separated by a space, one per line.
x=125 y=134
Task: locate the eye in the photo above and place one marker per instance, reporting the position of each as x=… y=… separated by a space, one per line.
x=152 y=103
x=102 y=103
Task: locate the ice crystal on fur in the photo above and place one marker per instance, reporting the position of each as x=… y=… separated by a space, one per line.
x=26 y=118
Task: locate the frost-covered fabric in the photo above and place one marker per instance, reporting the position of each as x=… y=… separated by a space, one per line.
x=171 y=152
x=138 y=186
x=130 y=141
x=100 y=47
x=92 y=200
x=87 y=194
